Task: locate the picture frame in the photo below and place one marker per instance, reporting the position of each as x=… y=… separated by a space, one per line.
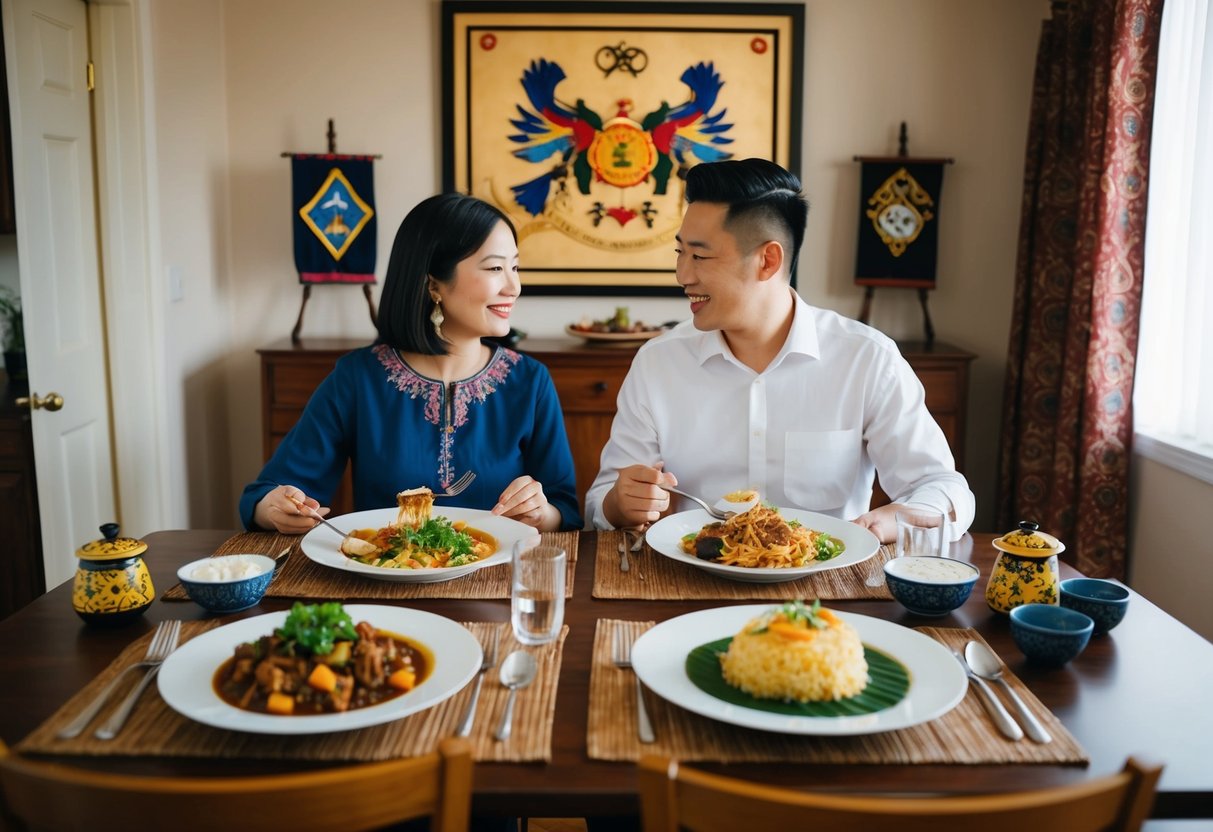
x=579 y=121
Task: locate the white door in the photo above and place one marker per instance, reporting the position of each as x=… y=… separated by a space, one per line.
x=46 y=42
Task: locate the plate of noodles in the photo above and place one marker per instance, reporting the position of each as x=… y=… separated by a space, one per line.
x=764 y=545
x=492 y=535
x=663 y=658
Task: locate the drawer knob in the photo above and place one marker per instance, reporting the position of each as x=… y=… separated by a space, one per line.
x=600 y=386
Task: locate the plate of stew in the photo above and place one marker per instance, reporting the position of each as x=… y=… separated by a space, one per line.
x=200 y=679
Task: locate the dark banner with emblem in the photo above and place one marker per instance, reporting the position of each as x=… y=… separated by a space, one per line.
x=335 y=226
x=898 y=223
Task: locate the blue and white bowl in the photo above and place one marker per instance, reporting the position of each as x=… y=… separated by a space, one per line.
x=1104 y=601
x=930 y=586
x=1048 y=634
x=227 y=583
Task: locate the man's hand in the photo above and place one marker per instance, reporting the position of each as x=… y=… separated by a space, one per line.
x=635 y=499
x=882 y=521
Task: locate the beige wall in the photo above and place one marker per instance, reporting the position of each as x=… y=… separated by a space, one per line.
x=959 y=71
x=1169 y=544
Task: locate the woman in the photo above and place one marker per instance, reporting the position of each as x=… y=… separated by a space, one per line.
x=429 y=400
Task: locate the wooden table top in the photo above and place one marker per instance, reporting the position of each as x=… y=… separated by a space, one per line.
x=1135 y=691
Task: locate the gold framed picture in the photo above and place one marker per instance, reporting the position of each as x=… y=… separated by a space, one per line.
x=580 y=121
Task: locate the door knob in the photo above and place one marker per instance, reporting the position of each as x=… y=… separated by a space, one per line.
x=52 y=401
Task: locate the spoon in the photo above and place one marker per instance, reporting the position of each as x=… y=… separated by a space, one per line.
x=517 y=671
x=985 y=663
x=994 y=707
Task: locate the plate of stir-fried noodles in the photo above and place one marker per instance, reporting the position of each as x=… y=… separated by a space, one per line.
x=763 y=545
x=449 y=544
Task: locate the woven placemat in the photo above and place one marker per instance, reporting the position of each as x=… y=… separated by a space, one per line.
x=301 y=577
x=156 y=730
x=963 y=736
x=654 y=577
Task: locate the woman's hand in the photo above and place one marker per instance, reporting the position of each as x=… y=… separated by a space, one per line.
x=283 y=510
x=523 y=500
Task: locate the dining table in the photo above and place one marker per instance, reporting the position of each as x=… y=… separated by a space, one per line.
x=1134 y=691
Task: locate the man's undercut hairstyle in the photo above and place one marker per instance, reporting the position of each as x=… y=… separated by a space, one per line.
x=765 y=202
x=435 y=236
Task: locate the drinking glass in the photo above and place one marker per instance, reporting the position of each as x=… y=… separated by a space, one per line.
x=537 y=592
x=922 y=532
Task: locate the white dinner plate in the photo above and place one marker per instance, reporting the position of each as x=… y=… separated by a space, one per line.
x=666 y=535
x=186 y=677
x=323 y=545
x=937 y=683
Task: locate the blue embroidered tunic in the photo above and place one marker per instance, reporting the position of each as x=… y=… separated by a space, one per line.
x=404 y=430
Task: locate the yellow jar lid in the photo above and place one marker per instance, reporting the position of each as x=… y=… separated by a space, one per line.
x=111 y=546
x=1029 y=542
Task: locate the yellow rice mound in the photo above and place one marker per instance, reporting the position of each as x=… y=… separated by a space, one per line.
x=789 y=658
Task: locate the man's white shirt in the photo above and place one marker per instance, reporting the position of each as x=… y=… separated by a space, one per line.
x=836 y=405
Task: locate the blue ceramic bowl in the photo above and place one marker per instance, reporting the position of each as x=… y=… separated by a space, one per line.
x=1104 y=601
x=227 y=583
x=1050 y=635
x=930 y=585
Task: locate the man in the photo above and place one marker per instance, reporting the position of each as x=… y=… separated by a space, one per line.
x=761 y=390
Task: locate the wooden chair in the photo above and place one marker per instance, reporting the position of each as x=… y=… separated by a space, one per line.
x=47 y=796
x=674 y=797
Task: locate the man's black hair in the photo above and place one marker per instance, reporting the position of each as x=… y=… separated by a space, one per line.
x=763 y=199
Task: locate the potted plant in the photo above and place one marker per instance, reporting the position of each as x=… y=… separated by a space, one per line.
x=14 y=334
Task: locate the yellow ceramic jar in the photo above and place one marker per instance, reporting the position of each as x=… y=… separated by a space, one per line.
x=112 y=584
x=1026 y=570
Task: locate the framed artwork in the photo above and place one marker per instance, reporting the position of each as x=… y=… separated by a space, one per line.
x=580 y=121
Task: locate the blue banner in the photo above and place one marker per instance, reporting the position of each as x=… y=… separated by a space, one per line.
x=335 y=227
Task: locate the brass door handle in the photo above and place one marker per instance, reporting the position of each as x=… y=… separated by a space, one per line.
x=52 y=402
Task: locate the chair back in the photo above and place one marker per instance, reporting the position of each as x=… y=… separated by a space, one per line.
x=674 y=797
x=39 y=796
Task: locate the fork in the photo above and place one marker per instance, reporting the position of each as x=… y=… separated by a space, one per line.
x=156 y=651
x=621 y=655
x=712 y=510
x=458 y=486
x=118 y=718
x=624 y=548
x=464 y=728
x=315 y=515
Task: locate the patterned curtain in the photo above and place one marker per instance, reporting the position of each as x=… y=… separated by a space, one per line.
x=1067 y=422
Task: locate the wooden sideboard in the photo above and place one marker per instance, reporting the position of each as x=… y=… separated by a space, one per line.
x=587 y=379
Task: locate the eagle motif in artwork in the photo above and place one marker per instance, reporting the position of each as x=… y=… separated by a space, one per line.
x=620 y=151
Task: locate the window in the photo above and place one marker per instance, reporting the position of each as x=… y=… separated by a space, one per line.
x=1173 y=399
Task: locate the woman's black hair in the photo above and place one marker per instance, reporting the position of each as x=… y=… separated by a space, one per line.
x=434 y=237
x=759 y=193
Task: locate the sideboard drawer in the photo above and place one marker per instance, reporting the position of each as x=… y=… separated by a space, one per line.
x=587 y=389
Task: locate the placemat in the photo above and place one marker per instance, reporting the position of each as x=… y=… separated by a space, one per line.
x=301 y=577
x=156 y=730
x=654 y=577
x=963 y=736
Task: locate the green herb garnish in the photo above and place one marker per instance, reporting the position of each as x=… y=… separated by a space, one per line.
x=792 y=611
x=315 y=628
x=435 y=533
x=828 y=547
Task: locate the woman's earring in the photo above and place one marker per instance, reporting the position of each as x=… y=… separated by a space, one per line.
x=436 y=318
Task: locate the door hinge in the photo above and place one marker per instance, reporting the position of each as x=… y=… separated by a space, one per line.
x=92 y=77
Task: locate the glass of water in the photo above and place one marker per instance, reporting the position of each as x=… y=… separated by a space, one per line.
x=537 y=591
x=922 y=532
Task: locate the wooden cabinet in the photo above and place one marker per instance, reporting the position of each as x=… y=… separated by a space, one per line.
x=22 y=576
x=289 y=374
x=587 y=380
